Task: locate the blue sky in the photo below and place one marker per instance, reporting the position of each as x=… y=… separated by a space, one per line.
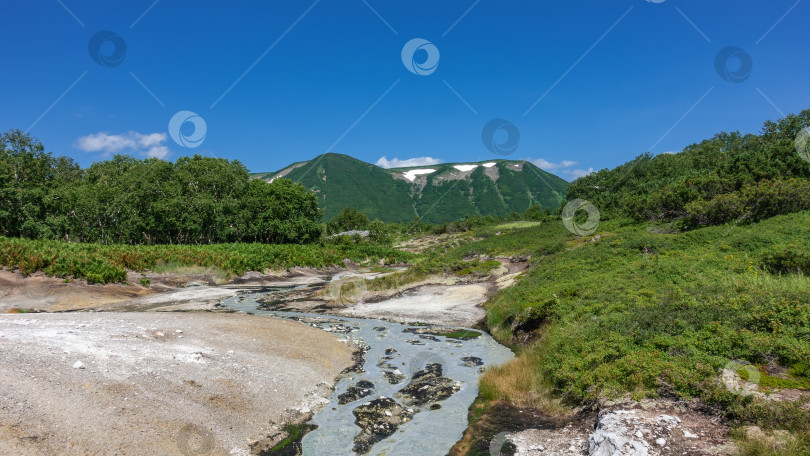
x=588 y=84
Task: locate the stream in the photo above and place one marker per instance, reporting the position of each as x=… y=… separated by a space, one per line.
x=439 y=375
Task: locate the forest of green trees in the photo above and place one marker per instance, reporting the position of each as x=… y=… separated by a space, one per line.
x=196 y=200
x=729 y=178
x=201 y=200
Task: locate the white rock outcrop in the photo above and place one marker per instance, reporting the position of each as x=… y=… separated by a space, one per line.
x=614 y=436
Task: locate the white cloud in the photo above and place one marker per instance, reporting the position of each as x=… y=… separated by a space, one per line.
x=157 y=152
x=551 y=166
x=148 y=145
x=153 y=139
x=384 y=162
x=577 y=173
x=563 y=168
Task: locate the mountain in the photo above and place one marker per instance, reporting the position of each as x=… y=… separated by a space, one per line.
x=437 y=193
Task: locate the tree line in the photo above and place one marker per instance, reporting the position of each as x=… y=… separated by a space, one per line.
x=729 y=178
x=124 y=200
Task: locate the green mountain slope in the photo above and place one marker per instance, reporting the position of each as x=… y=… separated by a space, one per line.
x=437 y=194
x=728 y=178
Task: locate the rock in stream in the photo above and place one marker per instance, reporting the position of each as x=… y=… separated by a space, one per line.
x=377 y=420
x=428 y=386
x=360 y=390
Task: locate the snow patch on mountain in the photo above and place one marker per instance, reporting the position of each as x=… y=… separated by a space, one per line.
x=411 y=175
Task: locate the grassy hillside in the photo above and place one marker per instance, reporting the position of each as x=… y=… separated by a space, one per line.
x=699 y=261
x=444 y=195
x=647 y=313
x=641 y=311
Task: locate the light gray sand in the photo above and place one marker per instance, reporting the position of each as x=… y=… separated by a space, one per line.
x=157 y=383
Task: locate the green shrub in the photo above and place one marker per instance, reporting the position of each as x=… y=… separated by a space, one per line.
x=378 y=233
x=787 y=259
x=347 y=220
x=752 y=203
x=109 y=263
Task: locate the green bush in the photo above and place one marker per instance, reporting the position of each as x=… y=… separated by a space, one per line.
x=790 y=259
x=109 y=263
x=348 y=219
x=378 y=233
x=752 y=203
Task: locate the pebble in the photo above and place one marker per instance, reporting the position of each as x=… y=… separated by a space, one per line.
x=671 y=420
x=661 y=441
x=78 y=365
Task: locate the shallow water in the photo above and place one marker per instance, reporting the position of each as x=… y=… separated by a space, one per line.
x=430 y=432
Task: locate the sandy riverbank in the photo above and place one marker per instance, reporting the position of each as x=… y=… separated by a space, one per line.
x=157 y=383
x=141 y=378
x=165 y=292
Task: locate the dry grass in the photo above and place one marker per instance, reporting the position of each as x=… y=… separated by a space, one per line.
x=519 y=382
x=517 y=225
x=768 y=283
x=17 y=310
x=774 y=443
